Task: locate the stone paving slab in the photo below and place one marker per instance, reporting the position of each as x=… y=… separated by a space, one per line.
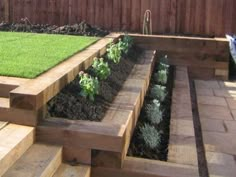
x=214 y=112
x=212 y=125
x=220 y=142
x=230 y=126
x=206 y=84
x=212 y=100
x=228 y=85
x=204 y=92
x=221 y=165
x=225 y=93
x=232 y=103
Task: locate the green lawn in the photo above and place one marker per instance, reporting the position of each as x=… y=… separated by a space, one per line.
x=27 y=55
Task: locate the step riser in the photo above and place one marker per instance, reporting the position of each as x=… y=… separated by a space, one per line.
x=16 y=152
x=53 y=166
x=5 y=90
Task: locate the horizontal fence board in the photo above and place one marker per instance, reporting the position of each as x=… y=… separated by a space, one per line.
x=190 y=17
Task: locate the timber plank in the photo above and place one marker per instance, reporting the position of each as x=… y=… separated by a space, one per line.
x=15 y=140
x=137 y=167
x=39 y=161
x=66 y=170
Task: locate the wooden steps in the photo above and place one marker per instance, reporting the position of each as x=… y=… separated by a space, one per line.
x=17 y=116
x=8 y=84
x=14 y=141
x=39 y=161
x=66 y=170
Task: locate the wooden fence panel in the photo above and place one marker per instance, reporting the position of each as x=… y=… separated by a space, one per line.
x=196 y=17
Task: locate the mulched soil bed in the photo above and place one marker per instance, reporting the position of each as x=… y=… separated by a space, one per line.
x=137 y=146
x=82 y=29
x=71 y=105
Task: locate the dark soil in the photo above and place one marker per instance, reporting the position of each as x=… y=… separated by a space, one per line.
x=82 y=29
x=137 y=146
x=71 y=105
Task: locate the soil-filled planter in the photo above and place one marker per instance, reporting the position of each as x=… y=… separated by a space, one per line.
x=69 y=104
x=138 y=146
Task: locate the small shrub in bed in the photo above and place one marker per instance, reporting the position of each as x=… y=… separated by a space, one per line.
x=89 y=86
x=158 y=92
x=114 y=53
x=125 y=44
x=161 y=77
x=153 y=112
x=150 y=136
x=101 y=68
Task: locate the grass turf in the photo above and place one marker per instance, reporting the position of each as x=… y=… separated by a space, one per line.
x=27 y=55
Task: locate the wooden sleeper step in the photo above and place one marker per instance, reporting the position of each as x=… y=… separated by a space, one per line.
x=39 y=161
x=66 y=170
x=14 y=141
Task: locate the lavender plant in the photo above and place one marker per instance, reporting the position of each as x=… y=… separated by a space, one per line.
x=153 y=112
x=151 y=137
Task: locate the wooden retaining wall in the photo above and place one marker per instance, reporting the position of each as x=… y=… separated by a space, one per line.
x=206 y=58
x=199 y=17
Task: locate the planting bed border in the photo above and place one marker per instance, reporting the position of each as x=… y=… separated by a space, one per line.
x=104 y=143
x=29 y=98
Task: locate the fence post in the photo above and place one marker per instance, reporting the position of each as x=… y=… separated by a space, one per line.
x=173 y=16
x=6 y=10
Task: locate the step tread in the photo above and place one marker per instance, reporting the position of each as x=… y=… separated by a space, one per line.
x=15 y=140
x=4 y=102
x=39 y=160
x=66 y=170
x=12 y=80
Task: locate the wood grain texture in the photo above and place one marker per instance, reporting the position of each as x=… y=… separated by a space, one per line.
x=137 y=167
x=39 y=161
x=15 y=140
x=66 y=170
x=189 y=17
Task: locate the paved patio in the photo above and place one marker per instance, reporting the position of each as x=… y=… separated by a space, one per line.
x=217 y=111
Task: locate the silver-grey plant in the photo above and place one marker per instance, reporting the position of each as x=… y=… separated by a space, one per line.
x=151 y=137
x=154 y=113
x=158 y=92
x=162 y=76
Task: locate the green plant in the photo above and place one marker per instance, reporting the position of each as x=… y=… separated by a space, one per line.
x=151 y=137
x=158 y=92
x=161 y=77
x=163 y=66
x=89 y=86
x=101 y=68
x=114 y=53
x=154 y=113
x=123 y=46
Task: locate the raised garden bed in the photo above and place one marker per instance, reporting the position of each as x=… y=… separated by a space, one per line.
x=104 y=144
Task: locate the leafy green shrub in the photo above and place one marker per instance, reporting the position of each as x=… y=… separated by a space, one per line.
x=101 y=68
x=89 y=86
x=123 y=46
x=154 y=113
x=151 y=137
x=158 y=92
x=114 y=53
